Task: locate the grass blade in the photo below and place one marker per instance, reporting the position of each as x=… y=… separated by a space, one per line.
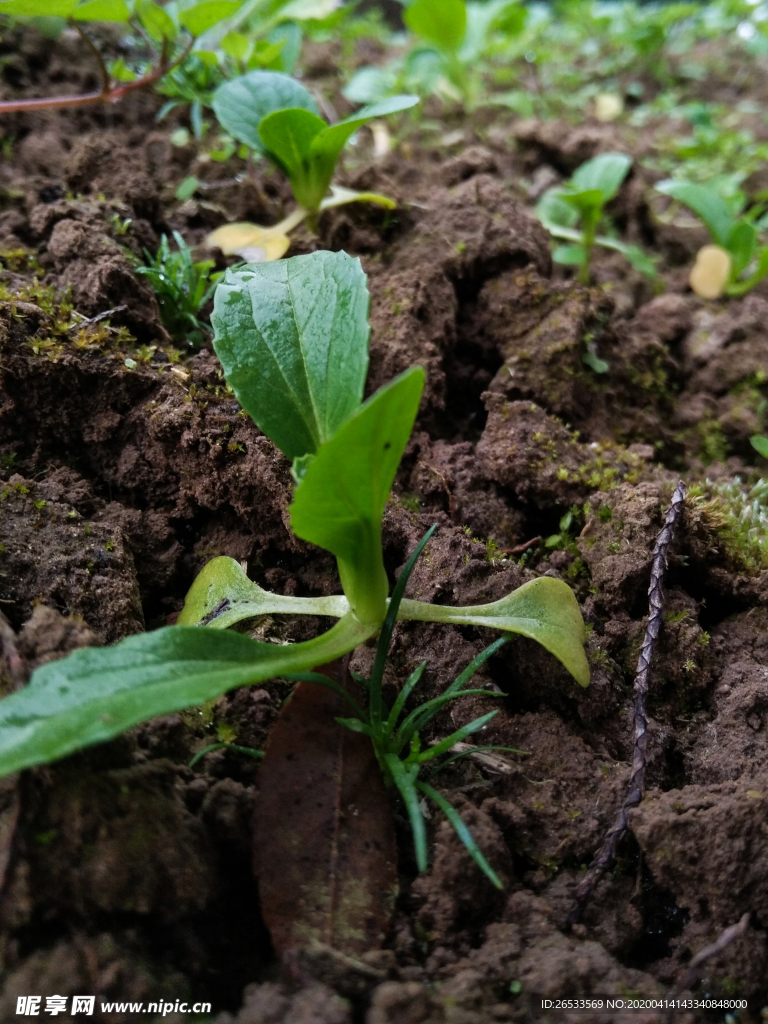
x=405 y=784
x=402 y=697
x=475 y=664
x=462 y=832
x=456 y=737
x=419 y=718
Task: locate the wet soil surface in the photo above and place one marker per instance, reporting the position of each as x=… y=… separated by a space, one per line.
x=126 y=465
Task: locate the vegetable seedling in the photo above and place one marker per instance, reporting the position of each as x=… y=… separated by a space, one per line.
x=182 y=288
x=292 y=337
x=170 y=32
x=276 y=117
x=454 y=37
x=574 y=211
x=736 y=261
x=397 y=743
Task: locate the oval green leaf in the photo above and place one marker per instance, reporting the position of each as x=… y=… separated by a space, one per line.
x=243 y=103
x=440 y=22
x=292 y=337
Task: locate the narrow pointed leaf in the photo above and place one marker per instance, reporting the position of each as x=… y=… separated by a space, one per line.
x=242 y=103
x=462 y=832
x=405 y=785
x=340 y=501
x=98 y=692
x=543 y=609
x=292 y=337
x=456 y=737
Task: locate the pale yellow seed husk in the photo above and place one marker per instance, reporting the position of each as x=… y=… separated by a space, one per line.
x=608 y=106
x=253 y=243
x=710 y=272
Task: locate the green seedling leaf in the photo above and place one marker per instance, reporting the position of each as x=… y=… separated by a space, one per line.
x=405 y=779
x=598 y=365
x=292 y=337
x=243 y=103
x=96 y=693
x=307 y=149
x=570 y=255
x=222 y=595
x=200 y=17
x=187 y=188
x=603 y=174
x=340 y=501
x=553 y=210
x=543 y=609
x=440 y=22
x=705 y=203
x=236 y=45
x=741 y=244
x=760 y=444
x=325 y=846
x=35 y=9
x=760 y=271
x=102 y=10
x=157 y=23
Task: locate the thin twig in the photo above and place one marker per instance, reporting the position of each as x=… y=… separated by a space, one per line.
x=636 y=788
x=88 y=321
x=519 y=548
x=106 y=81
x=734 y=931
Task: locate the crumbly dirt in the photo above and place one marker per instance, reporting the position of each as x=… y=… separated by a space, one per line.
x=125 y=465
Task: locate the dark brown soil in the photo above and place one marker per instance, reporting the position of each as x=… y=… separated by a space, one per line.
x=127 y=873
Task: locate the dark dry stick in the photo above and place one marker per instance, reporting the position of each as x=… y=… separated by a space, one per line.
x=636 y=787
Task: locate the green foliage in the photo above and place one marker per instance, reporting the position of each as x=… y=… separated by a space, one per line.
x=182 y=287
x=397 y=741
x=737 y=235
x=292 y=337
x=277 y=117
x=453 y=38
x=760 y=444
x=575 y=210
x=344 y=482
x=739 y=516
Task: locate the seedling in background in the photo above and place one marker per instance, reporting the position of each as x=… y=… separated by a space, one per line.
x=292 y=338
x=276 y=117
x=736 y=261
x=457 y=37
x=574 y=212
x=397 y=743
x=182 y=288
x=169 y=31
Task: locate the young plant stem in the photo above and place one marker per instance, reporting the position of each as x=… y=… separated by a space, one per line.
x=108 y=93
x=636 y=788
x=589 y=230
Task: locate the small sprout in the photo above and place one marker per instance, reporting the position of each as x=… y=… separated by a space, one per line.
x=131 y=364
x=41 y=503
x=711 y=272
x=720 y=268
x=574 y=212
x=760 y=444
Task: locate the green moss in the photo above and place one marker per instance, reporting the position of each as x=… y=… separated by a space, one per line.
x=738 y=515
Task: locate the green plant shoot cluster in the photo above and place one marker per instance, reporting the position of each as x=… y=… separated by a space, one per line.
x=276 y=117
x=293 y=340
x=737 y=235
x=182 y=287
x=574 y=211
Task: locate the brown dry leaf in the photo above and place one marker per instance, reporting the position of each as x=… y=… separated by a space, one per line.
x=710 y=272
x=324 y=844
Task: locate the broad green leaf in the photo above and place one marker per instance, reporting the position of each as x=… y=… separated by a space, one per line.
x=570 y=255
x=705 y=203
x=552 y=210
x=102 y=10
x=760 y=444
x=585 y=200
x=286 y=136
x=604 y=174
x=741 y=244
x=544 y=609
x=340 y=501
x=242 y=103
x=38 y=8
x=98 y=692
x=222 y=595
x=200 y=17
x=368 y=85
x=158 y=24
x=440 y=22
x=236 y=45
x=292 y=337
